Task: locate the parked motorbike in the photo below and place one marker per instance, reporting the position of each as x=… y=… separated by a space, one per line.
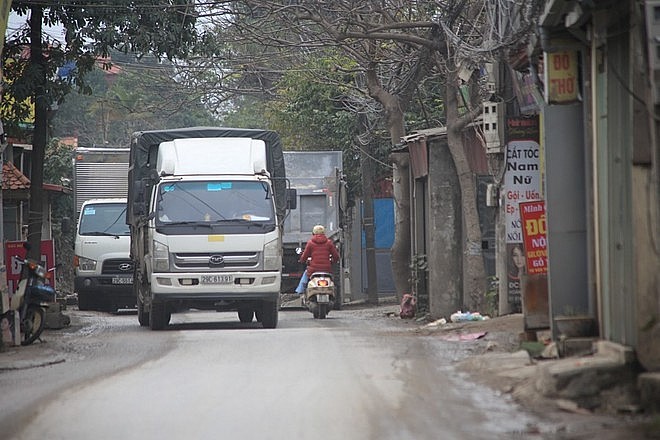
x=320 y=294
x=31 y=298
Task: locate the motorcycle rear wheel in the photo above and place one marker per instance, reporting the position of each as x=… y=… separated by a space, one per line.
x=32 y=324
x=323 y=310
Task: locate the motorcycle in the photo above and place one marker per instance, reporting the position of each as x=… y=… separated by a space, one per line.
x=31 y=298
x=320 y=294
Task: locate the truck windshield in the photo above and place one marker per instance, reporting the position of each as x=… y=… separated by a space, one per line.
x=214 y=202
x=103 y=219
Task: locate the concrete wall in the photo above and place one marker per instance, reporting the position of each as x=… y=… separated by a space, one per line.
x=566 y=209
x=646 y=227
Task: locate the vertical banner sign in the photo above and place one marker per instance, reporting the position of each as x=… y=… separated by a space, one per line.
x=561 y=77
x=532 y=215
x=16 y=251
x=522 y=183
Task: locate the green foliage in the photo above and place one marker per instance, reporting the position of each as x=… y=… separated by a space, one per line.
x=492 y=297
x=247 y=112
x=142 y=95
x=165 y=29
x=59 y=159
x=310 y=113
x=427 y=109
x=59 y=171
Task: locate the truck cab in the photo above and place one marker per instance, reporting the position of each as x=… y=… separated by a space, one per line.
x=103 y=272
x=206 y=207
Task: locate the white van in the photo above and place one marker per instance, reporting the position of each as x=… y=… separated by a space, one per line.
x=102 y=267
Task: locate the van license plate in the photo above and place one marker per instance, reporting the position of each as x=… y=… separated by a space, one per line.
x=122 y=280
x=216 y=279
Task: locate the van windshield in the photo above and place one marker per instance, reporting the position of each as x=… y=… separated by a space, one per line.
x=103 y=219
x=214 y=202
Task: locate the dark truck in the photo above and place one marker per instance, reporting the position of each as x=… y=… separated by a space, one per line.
x=317 y=177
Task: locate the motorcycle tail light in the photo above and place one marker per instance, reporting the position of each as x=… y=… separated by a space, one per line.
x=323 y=283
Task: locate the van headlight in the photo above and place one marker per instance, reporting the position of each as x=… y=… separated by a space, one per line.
x=273 y=256
x=161 y=257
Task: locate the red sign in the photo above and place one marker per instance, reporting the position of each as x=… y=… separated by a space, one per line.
x=14 y=250
x=562 y=76
x=532 y=216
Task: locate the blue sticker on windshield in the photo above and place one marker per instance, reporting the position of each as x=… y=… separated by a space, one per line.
x=218 y=186
x=90 y=210
x=168 y=188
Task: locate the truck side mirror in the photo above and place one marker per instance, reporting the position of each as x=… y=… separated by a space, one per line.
x=291 y=198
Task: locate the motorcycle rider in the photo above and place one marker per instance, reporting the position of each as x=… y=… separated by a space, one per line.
x=321 y=253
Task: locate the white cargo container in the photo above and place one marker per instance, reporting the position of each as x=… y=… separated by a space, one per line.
x=103 y=271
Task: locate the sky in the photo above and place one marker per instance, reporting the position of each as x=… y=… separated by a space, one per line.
x=17 y=22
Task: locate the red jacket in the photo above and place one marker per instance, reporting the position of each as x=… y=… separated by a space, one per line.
x=322 y=252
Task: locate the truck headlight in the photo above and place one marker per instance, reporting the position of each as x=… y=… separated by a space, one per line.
x=273 y=256
x=161 y=257
x=85 y=263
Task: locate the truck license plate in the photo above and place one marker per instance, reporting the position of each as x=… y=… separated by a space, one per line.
x=122 y=280
x=216 y=279
x=323 y=298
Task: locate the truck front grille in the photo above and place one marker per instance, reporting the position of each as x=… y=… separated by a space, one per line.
x=217 y=262
x=122 y=266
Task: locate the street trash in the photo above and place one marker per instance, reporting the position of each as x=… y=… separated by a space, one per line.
x=407 y=306
x=436 y=323
x=467 y=316
x=463 y=336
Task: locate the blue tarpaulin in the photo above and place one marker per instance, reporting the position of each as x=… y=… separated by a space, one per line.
x=384 y=223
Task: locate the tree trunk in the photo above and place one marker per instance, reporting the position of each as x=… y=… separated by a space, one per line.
x=400 y=253
x=368 y=223
x=400 y=256
x=474 y=272
x=36 y=202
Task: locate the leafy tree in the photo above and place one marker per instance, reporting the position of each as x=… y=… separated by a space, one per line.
x=140 y=94
x=163 y=28
x=395 y=46
x=59 y=156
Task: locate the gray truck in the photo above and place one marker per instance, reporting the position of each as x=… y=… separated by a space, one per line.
x=321 y=199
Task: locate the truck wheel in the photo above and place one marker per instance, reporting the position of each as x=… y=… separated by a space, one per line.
x=111 y=308
x=159 y=316
x=245 y=315
x=84 y=302
x=143 y=317
x=269 y=314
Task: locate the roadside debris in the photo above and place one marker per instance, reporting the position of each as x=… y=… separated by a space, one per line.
x=407 y=306
x=467 y=316
x=463 y=336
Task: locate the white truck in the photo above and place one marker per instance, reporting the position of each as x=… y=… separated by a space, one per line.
x=206 y=208
x=103 y=271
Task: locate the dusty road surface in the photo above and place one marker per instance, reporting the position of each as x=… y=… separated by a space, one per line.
x=357 y=375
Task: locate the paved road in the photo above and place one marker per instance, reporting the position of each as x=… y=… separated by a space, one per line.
x=351 y=376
